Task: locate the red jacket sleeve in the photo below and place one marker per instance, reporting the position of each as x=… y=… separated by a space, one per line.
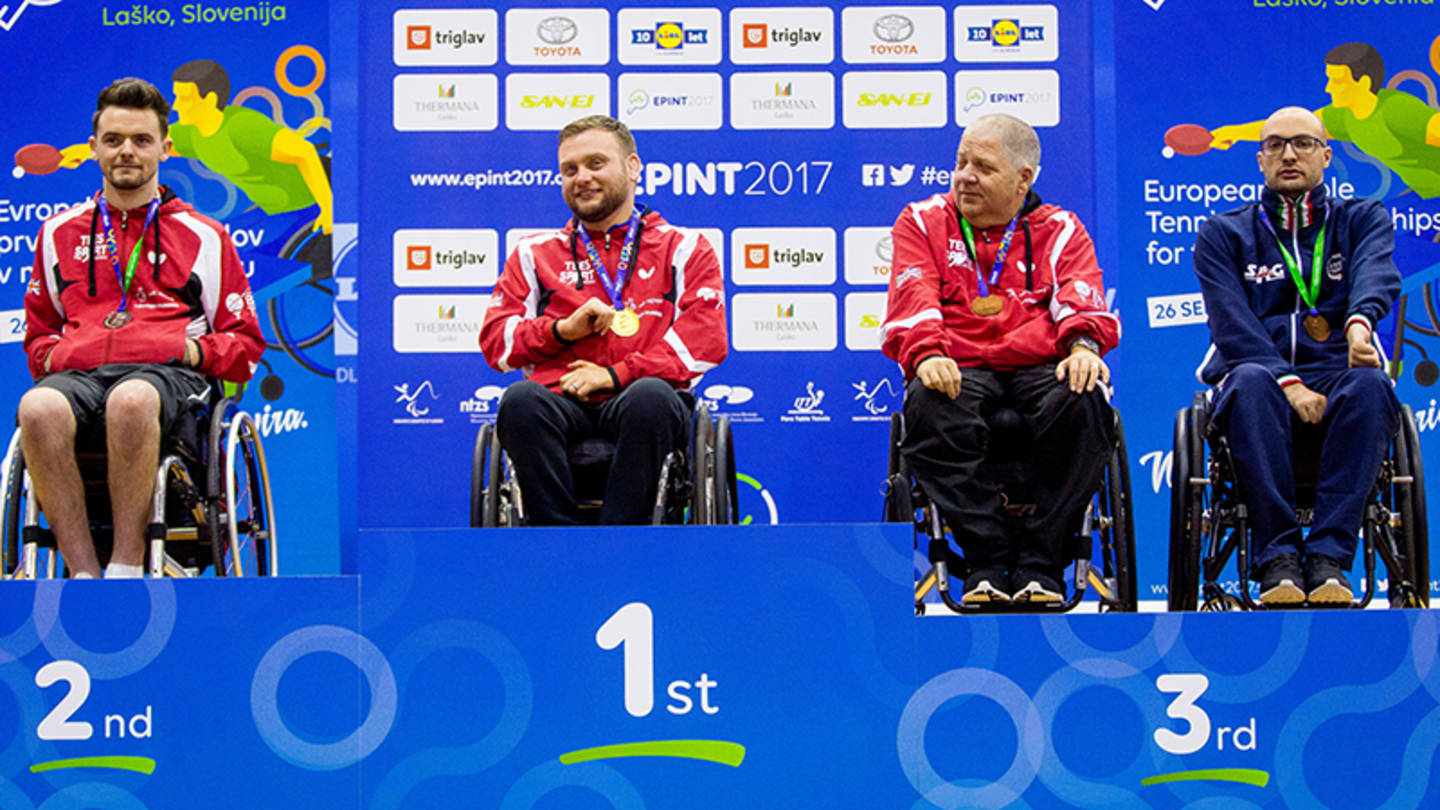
x=232 y=348
x=914 y=326
x=512 y=335
x=697 y=339
x=42 y=321
x=1078 y=307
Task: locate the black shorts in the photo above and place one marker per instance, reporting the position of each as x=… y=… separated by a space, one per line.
x=181 y=390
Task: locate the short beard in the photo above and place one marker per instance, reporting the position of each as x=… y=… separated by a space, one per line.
x=607 y=205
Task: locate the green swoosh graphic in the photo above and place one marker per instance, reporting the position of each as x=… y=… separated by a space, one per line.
x=143 y=765
x=1248 y=776
x=721 y=751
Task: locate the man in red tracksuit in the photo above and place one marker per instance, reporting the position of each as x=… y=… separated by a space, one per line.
x=134 y=301
x=607 y=317
x=996 y=299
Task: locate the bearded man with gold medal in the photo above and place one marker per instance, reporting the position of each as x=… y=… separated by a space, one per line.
x=609 y=318
x=996 y=299
x=1294 y=286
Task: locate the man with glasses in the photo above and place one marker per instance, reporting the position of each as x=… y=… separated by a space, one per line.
x=1294 y=286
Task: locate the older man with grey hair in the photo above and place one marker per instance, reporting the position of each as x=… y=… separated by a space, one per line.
x=996 y=299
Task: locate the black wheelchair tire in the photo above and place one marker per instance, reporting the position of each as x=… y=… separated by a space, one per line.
x=1184 y=570
x=1123 y=528
x=14 y=505
x=215 y=485
x=477 y=475
x=703 y=462
x=1411 y=504
x=726 y=495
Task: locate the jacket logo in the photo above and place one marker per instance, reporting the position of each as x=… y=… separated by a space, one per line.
x=1335 y=267
x=1261 y=273
x=645 y=273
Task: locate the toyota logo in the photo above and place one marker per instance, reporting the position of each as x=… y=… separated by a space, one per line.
x=894 y=28
x=557 y=30
x=885 y=248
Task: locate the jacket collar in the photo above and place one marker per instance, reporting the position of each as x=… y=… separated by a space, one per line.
x=1293 y=213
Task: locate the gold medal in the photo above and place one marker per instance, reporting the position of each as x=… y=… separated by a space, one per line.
x=987 y=305
x=1317 y=328
x=625 y=323
x=116 y=319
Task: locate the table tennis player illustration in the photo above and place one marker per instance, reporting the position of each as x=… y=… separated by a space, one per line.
x=249 y=156
x=1393 y=131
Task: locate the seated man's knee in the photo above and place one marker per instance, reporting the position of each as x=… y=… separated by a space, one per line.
x=520 y=403
x=132 y=405
x=45 y=411
x=653 y=398
x=1250 y=378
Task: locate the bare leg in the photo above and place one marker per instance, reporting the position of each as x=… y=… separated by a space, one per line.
x=132 y=439
x=47 y=437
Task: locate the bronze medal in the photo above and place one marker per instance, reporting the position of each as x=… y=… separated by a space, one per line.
x=117 y=319
x=987 y=305
x=625 y=323
x=1317 y=328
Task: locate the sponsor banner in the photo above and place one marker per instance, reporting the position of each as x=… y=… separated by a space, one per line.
x=1033 y=96
x=782 y=256
x=1006 y=34
x=12 y=325
x=482 y=405
x=767 y=36
x=864 y=312
x=867 y=255
x=446 y=257
x=446 y=37
x=894 y=100
x=549 y=101
x=668 y=36
x=443 y=102
x=782 y=100
x=437 y=323
x=1175 y=310
x=557 y=36
x=730 y=400
x=671 y=100
x=892 y=34
x=782 y=322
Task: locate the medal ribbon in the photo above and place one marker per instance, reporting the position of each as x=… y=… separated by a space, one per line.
x=1000 y=254
x=1309 y=294
x=622 y=270
x=124 y=277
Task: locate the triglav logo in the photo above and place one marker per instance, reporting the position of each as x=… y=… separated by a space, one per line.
x=754 y=35
x=417 y=37
x=445 y=37
x=417 y=257
x=416 y=404
x=757 y=257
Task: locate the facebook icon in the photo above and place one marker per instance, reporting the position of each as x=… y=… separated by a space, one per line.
x=872 y=174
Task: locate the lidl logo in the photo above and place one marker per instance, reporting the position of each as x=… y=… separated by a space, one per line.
x=417 y=37
x=669 y=36
x=754 y=35
x=1006 y=33
x=757 y=257
x=417 y=257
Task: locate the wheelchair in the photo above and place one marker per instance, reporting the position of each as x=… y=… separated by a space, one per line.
x=1208 y=519
x=211 y=508
x=1102 y=549
x=697 y=482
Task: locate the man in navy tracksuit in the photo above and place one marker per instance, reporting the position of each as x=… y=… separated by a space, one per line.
x=1294 y=286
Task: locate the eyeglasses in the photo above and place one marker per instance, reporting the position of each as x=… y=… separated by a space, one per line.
x=1303 y=145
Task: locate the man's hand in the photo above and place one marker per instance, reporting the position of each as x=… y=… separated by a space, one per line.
x=1362 y=351
x=585 y=378
x=592 y=318
x=940 y=374
x=1083 y=368
x=1307 y=403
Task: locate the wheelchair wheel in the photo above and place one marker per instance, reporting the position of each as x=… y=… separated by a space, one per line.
x=1119 y=557
x=240 y=514
x=15 y=494
x=725 y=495
x=899 y=506
x=702 y=463
x=1410 y=503
x=486 y=478
x=1186 y=460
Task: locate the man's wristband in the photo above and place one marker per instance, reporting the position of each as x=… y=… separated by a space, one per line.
x=1085 y=342
x=555 y=330
x=614 y=378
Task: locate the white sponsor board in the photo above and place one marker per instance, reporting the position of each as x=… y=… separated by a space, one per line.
x=782 y=256
x=892 y=34
x=1175 y=310
x=767 y=36
x=1033 y=96
x=12 y=325
x=668 y=36
x=867 y=255
x=557 y=36
x=864 y=312
x=894 y=99
x=549 y=101
x=446 y=37
x=446 y=257
x=441 y=324
x=446 y=102
x=1006 y=34
x=782 y=100
x=671 y=100
x=779 y=322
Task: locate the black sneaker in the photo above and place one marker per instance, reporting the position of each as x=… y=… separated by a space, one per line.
x=1038 y=586
x=1325 y=582
x=986 y=585
x=1280 y=581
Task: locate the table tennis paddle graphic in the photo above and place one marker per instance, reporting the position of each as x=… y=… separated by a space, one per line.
x=37 y=158
x=1187 y=139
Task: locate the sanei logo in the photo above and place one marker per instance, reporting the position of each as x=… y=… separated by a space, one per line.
x=894 y=99
x=575 y=102
x=669 y=36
